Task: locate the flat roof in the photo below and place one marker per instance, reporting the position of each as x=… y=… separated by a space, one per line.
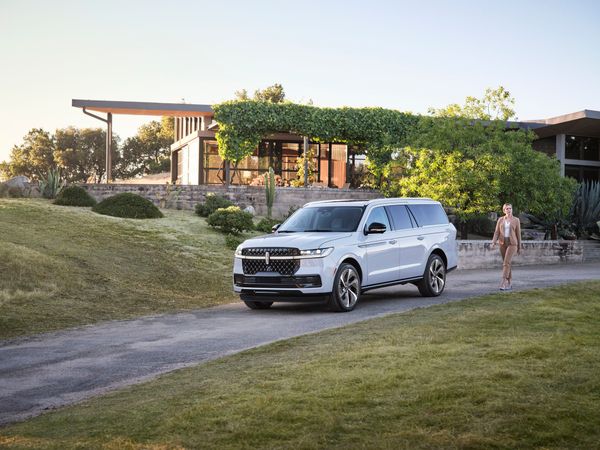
x=145 y=108
x=580 y=123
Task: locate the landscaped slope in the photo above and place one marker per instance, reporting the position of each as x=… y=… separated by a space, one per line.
x=66 y=266
x=511 y=370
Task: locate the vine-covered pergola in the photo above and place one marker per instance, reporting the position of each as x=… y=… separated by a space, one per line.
x=242 y=124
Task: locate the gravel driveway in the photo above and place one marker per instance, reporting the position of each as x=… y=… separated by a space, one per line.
x=56 y=369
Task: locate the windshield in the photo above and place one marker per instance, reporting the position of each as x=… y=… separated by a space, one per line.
x=324 y=219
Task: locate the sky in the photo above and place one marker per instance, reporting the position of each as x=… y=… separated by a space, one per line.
x=404 y=55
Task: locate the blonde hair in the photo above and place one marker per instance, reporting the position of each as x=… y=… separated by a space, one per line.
x=505 y=205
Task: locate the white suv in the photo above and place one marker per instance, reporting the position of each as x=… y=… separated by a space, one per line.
x=335 y=250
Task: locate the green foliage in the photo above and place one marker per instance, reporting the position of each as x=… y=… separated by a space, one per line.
x=243 y=123
x=266 y=224
x=231 y=220
x=496 y=104
x=232 y=241
x=585 y=211
x=51 y=184
x=3 y=190
x=128 y=205
x=211 y=203
x=74 y=196
x=311 y=166
x=474 y=167
x=149 y=151
x=270 y=190
x=272 y=94
x=81 y=153
x=33 y=156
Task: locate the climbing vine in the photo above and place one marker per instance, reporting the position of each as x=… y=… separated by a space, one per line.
x=242 y=124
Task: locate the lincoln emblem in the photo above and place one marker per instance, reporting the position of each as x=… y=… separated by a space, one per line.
x=267 y=258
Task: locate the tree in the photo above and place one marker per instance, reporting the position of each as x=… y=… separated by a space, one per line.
x=496 y=104
x=271 y=94
x=149 y=151
x=474 y=166
x=33 y=157
x=81 y=153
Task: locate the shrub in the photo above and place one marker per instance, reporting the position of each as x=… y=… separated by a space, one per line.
x=265 y=225
x=211 y=204
x=231 y=220
x=3 y=190
x=74 y=196
x=232 y=241
x=128 y=205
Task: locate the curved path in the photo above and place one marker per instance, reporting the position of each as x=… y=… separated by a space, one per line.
x=55 y=369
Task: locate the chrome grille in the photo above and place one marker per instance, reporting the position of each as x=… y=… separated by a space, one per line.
x=281 y=266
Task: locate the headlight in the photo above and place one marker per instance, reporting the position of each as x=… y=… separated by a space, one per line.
x=317 y=252
x=238 y=251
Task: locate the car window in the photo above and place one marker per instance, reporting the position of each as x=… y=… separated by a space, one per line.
x=431 y=214
x=400 y=217
x=378 y=215
x=323 y=219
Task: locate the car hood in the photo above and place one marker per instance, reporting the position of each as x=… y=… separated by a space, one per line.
x=303 y=241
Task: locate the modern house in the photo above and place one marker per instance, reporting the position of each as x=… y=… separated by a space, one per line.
x=573 y=138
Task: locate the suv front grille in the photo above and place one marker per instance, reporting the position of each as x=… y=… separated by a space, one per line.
x=281 y=266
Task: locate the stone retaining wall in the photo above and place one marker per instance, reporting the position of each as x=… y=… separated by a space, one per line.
x=187 y=196
x=478 y=255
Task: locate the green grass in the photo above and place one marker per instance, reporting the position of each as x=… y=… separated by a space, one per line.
x=66 y=266
x=518 y=370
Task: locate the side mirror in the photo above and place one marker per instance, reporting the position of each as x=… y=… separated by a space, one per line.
x=275 y=227
x=376 y=228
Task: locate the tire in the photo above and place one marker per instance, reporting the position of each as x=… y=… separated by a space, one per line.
x=257 y=305
x=434 y=278
x=346 y=289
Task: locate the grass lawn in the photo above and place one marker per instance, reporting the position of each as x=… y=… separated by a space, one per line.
x=512 y=370
x=66 y=266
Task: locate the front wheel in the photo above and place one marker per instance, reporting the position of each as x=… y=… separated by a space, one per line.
x=346 y=289
x=258 y=305
x=434 y=278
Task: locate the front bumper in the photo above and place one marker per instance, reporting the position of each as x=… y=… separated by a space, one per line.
x=280 y=281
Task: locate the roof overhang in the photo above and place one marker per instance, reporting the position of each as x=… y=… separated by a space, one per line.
x=581 y=123
x=145 y=108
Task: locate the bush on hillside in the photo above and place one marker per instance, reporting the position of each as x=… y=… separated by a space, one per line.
x=266 y=225
x=232 y=241
x=128 y=205
x=231 y=220
x=211 y=204
x=74 y=196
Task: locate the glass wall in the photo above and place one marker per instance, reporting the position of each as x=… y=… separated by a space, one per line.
x=582 y=173
x=584 y=148
x=282 y=156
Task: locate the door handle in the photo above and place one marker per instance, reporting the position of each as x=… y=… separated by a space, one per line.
x=393 y=241
x=420 y=238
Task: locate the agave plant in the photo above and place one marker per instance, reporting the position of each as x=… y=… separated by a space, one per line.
x=51 y=184
x=585 y=212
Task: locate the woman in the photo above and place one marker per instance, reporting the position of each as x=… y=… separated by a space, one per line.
x=508 y=233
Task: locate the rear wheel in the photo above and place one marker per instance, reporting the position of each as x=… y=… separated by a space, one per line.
x=346 y=289
x=258 y=305
x=434 y=278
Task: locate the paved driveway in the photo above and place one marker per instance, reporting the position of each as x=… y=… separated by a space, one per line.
x=56 y=369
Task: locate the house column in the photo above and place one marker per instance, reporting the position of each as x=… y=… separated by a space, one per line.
x=561 y=140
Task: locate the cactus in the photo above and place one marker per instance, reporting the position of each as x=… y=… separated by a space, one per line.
x=585 y=211
x=270 y=190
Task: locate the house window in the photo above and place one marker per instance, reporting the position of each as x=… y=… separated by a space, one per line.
x=583 y=173
x=213 y=164
x=582 y=148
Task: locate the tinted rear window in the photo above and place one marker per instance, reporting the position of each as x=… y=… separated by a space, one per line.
x=400 y=216
x=432 y=214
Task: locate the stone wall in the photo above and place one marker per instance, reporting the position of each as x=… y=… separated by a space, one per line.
x=478 y=255
x=186 y=196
